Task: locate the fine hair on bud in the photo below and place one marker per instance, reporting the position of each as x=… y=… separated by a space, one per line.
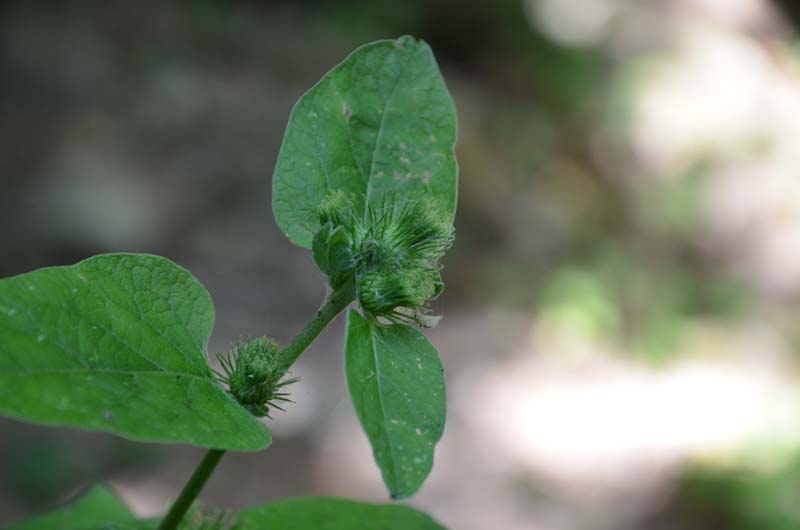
x=203 y=518
x=389 y=247
x=255 y=378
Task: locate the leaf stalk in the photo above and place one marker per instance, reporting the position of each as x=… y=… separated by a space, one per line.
x=192 y=489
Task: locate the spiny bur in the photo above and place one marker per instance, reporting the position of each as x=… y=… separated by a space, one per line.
x=389 y=248
x=254 y=375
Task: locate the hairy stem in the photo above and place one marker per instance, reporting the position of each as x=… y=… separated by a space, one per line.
x=333 y=305
x=192 y=489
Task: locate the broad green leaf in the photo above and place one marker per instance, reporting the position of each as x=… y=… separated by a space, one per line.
x=143 y=524
x=117 y=343
x=334 y=514
x=396 y=382
x=96 y=508
x=381 y=122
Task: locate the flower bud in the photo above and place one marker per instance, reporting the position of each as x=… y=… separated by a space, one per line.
x=333 y=252
x=381 y=292
x=254 y=376
x=390 y=248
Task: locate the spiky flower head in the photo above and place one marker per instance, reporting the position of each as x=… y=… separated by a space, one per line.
x=390 y=249
x=254 y=375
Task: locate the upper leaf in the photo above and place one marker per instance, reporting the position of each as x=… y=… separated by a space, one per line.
x=382 y=122
x=117 y=343
x=94 y=509
x=334 y=514
x=396 y=382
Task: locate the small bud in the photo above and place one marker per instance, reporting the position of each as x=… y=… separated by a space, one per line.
x=333 y=252
x=254 y=376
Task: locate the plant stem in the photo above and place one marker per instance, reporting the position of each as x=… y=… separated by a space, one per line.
x=192 y=489
x=333 y=305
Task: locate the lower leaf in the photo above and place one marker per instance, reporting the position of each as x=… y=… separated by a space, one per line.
x=334 y=514
x=95 y=509
x=117 y=343
x=396 y=382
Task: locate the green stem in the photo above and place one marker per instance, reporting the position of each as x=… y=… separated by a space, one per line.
x=192 y=489
x=334 y=304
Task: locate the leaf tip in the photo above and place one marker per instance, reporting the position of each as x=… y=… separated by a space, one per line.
x=404 y=42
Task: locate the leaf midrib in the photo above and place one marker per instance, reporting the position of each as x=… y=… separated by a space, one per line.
x=382 y=128
x=389 y=440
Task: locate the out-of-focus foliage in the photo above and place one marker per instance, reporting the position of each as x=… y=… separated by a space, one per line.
x=739 y=497
x=94 y=509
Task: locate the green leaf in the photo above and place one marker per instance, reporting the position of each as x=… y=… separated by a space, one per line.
x=139 y=524
x=381 y=122
x=334 y=514
x=117 y=343
x=97 y=507
x=396 y=382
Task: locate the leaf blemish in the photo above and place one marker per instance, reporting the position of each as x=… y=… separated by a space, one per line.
x=346 y=111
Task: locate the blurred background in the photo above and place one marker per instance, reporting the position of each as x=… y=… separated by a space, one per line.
x=621 y=330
